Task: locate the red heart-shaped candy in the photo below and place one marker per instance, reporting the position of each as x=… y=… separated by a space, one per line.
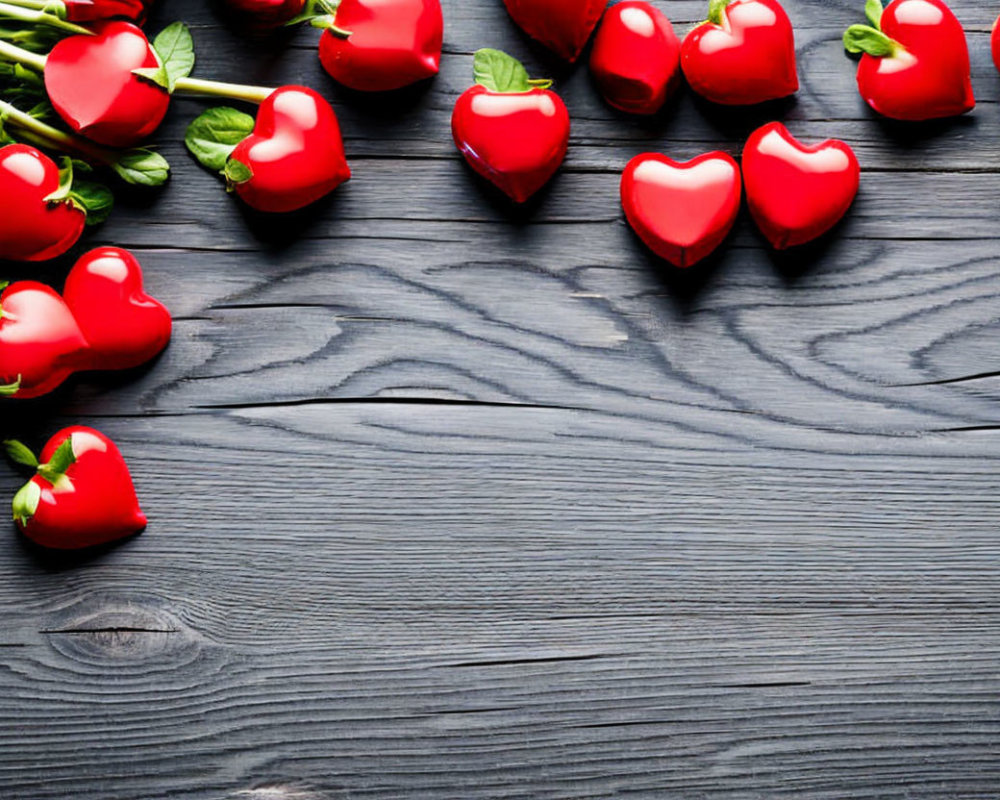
x=561 y=25
x=393 y=43
x=682 y=211
x=88 y=502
x=32 y=229
x=124 y=326
x=516 y=140
x=797 y=192
x=90 y=82
x=295 y=153
x=927 y=74
x=41 y=344
x=746 y=56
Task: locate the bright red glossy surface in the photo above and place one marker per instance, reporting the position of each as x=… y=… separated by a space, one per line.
x=564 y=26
x=93 y=503
x=682 y=211
x=516 y=141
x=124 y=326
x=295 y=152
x=748 y=59
x=90 y=82
x=393 y=43
x=797 y=192
x=30 y=228
x=40 y=341
x=995 y=43
x=930 y=79
x=267 y=13
x=92 y=10
x=636 y=60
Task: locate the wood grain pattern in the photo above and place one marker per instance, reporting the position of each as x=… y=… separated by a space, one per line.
x=450 y=500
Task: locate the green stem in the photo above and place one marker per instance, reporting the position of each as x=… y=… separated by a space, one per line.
x=41 y=5
x=195 y=87
x=715 y=9
x=47 y=136
x=11 y=52
x=39 y=17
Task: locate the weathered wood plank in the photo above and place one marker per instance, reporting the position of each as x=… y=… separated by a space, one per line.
x=451 y=501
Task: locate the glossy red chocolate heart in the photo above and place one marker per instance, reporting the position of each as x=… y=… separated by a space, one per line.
x=747 y=57
x=32 y=229
x=90 y=82
x=41 y=344
x=516 y=140
x=682 y=211
x=393 y=43
x=295 y=152
x=91 y=10
x=927 y=77
x=124 y=326
x=636 y=57
x=93 y=503
x=561 y=25
x=797 y=192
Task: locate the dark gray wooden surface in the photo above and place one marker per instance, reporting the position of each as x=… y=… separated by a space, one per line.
x=455 y=501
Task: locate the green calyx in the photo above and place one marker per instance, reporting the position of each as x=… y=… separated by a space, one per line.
x=236 y=172
x=321 y=14
x=11 y=389
x=715 y=9
x=94 y=199
x=869 y=38
x=866 y=39
x=174 y=50
x=26 y=501
x=502 y=73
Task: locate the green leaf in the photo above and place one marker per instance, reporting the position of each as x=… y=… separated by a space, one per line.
x=873 y=10
x=26 y=503
x=95 y=199
x=213 y=136
x=865 y=39
x=65 y=181
x=142 y=167
x=175 y=48
x=10 y=389
x=237 y=172
x=316 y=10
x=156 y=75
x=715 y=9
x=500 y=72
x=20 y=454
x=62 y=459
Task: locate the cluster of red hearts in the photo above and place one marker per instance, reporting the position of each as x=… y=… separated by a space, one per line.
x=89 y=67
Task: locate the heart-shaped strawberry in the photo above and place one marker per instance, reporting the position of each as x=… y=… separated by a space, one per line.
x=743 y=54
x=636 y=57
x=91 y=84
x=510 y=129
x=388 y=43
x=915 y=62
x=682 y=211
x=124 y=326
x=563 y=26
x=293 y=157
x=797 y=192
x=81 y=495
x=31 y=227
x=41 y=344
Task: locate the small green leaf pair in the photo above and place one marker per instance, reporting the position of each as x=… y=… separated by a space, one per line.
x=869 y=38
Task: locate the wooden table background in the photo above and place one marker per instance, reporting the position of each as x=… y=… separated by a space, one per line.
x=454 y=501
